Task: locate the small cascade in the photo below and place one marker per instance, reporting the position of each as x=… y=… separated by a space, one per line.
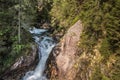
x=46 y=45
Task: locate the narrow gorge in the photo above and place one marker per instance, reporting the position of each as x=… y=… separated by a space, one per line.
x=59 y=39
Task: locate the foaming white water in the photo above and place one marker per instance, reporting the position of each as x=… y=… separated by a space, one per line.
x=46 y=45
x=36 y=31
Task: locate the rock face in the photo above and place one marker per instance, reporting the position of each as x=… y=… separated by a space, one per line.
x=66 y=58
x=25 y=60
x=21 y=65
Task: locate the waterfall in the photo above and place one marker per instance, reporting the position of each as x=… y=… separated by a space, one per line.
x=46 y=45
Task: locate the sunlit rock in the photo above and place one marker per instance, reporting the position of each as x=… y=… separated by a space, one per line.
x=66 y=58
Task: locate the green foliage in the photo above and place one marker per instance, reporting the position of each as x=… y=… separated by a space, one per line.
x=9 y=47
x=97 y=75
x=63 y=12
x=44 y=7
x=105 y=48
x=115 y=75
x=28 y=12
x=100 y=18
x=101 y=21
x=18 y=47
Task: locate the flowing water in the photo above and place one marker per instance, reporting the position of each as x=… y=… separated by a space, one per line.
x=46 y=45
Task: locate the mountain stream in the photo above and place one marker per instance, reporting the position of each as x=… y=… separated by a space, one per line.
x=45 y=46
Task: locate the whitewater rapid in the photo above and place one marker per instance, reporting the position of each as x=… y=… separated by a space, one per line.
x=46 y=45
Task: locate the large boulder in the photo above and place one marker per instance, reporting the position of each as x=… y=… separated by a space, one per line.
x=68 y=50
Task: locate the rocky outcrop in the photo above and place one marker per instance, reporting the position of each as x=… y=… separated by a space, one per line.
x=22 y=65
x=25 y=60
x=68 y=50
